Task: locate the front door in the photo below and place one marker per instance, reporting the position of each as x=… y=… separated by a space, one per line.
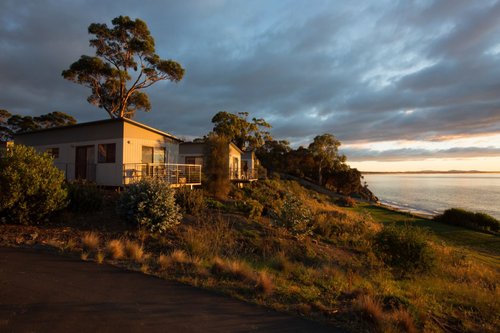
x=84 y=162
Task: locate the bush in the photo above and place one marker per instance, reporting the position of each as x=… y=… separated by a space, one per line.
x=251 y=208
x=31 y=187
x=150 y=204
x=346 y=202
x=84 y=197
x=463 y=218
x=191 y=201
x=295 y=216
x=406 y=249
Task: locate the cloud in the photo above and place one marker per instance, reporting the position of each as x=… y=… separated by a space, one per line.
x=364 y=71
x=404 y=154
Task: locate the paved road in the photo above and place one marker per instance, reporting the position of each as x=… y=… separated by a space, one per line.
x=42 y=292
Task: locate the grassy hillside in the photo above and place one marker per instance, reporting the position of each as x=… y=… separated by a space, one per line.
x=278 y=244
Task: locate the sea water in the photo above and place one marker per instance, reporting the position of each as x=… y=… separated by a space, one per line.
x=431 y=194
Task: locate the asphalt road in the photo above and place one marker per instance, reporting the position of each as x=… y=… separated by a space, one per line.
x=43 y=292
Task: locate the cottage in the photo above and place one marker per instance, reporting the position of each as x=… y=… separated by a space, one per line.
x=250 y=166
x=113 y=152
x=195 y=153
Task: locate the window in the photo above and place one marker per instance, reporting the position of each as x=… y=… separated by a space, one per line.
x=198 y=160
x=54 y=152
x=159 y=155
x=106 y=153
x=153 y=155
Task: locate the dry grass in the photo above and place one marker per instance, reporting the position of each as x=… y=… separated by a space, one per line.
x=371 y=310
x=234 y=269
x=84 y=256
x=164 y=262
x=264 y=283
x=100 y=257
x=90 y=241
x=403 y=321
x=134 y=251
x=115 y=249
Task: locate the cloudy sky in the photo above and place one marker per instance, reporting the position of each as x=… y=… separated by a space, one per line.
x=405 y=85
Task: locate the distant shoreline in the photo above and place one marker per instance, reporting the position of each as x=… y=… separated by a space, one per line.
x=427 y=172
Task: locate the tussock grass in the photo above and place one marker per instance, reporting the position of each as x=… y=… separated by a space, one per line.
x=232 y=269
x=371 y=310
x=264 y=283
x=90 y=241
x=134 y=251
x=100 y=256
x=115 y=249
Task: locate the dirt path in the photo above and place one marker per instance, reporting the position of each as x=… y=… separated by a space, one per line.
x=42 y=292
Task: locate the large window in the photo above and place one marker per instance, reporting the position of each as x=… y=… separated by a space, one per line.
x=106 y=153
x=153 y=155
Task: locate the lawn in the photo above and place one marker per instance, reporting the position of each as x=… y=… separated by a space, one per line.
x=485 y=247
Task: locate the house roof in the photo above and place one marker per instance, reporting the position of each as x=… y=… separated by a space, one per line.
x=91 y=123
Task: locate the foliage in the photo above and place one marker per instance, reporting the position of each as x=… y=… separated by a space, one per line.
x=405 y=248
x=471 y=220
x=346 y=202
x=273 y=153
x=84 y=197
x=345 y=181
x=324 y=149
x=150 y=204
x=31 y=187
x=127 y=46
x=192 y=201
x=251 y=208
x=237 y=129
x=11 y=124
x=217 y=166
x=295 y=216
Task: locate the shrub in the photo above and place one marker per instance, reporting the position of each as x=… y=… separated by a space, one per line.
x=405 y=248
x=150 y=204
x=251 y=208
x=477 y=221
x=84 y=197
x=134 y=251
x=31 y=187
x=295 y=216
x=190 y=200
x=346 y=202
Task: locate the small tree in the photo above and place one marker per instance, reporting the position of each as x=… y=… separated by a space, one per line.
x=217 y=166
x=126 y=47
x=31 y=187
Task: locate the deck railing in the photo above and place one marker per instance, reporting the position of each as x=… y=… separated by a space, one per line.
x=174 y=174
x=240 y=174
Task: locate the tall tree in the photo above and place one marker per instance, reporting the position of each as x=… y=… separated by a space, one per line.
x=125 y=63
x=11 y=124
x=243 y=133
x=325 y=149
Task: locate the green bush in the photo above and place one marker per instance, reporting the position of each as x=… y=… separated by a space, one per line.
x=405 y=249
x=150 y=204
x=463 y=218
x=191 y=201
x=295 y=216
x=251 y=208
x=84 y=197
x=31 y=187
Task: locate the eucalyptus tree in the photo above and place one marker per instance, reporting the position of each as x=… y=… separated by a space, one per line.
x=125 y=63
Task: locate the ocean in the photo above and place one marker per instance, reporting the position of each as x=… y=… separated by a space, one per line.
x=431 y=194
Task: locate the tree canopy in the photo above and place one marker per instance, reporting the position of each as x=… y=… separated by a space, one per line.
x=243 y=133
x=324 y=149
x=125 y=63
x=11 y=124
